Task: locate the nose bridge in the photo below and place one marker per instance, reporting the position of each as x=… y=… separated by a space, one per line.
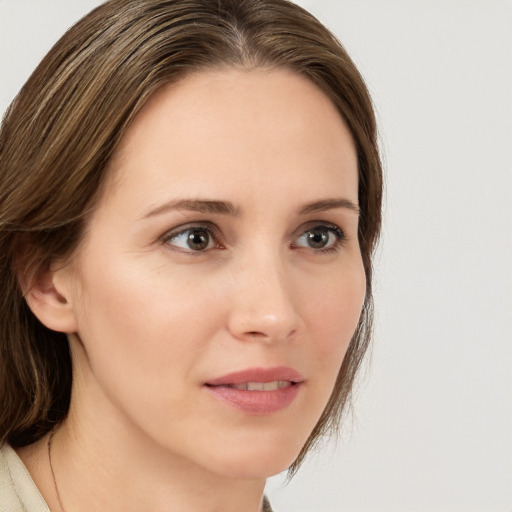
x=263 y=305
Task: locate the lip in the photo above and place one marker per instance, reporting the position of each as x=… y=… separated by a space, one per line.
x=258 y=375
x=257 y=402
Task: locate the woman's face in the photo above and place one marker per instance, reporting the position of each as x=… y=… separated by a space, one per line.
x=220 y=278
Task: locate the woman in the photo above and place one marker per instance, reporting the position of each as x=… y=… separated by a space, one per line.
x=190 y=199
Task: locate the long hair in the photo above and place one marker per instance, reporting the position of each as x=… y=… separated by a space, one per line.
x=59 y=135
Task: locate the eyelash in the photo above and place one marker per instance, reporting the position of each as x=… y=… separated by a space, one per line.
x=213 y=232
x=338 y=244
x=215 y=235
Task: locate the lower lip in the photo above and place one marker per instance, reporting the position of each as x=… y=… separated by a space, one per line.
x=257 y=402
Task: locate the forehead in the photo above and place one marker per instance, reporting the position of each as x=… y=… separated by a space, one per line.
x=226 y=126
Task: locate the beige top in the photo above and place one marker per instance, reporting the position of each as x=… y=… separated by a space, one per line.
x=18 y=492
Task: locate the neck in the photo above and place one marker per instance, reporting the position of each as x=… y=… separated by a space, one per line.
x=129 y=477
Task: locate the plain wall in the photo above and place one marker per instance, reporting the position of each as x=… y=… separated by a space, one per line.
x=432 y=428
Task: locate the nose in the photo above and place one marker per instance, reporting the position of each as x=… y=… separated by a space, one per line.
x=263 y=302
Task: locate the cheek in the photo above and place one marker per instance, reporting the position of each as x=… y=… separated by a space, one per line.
x=143 y=334
x=147 y=328
x=334 y=315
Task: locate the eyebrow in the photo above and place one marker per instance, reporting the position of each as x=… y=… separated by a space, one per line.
x=195 y=205
x=329 y=204
x=228 y=208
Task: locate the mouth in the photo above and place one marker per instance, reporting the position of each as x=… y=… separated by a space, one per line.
x=261 y=386
x=258 y=391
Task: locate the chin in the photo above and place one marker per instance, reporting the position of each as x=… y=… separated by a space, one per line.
x=256 y=463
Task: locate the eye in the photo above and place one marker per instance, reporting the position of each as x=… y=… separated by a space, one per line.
x=321 y=238
x=196 y=238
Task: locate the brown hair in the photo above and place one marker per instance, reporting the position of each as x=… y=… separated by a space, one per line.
x=61 y=131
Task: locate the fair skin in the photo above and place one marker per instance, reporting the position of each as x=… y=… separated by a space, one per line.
x=262 y=166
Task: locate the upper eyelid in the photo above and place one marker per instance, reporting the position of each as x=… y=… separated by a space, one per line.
x=191 y=225
x=317 y=223
x=174 y=232
x=337 y=230
x=215 y=229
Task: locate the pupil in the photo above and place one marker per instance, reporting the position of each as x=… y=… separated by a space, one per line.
x=318 y=238
x=198 y=240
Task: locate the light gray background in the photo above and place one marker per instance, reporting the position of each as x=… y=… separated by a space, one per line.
x=432 y=429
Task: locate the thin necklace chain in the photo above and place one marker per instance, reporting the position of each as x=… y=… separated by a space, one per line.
x=50 y=442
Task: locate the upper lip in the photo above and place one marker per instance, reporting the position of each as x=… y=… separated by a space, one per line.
x=276 y=373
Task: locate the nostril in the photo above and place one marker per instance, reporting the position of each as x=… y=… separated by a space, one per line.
x=260 y=334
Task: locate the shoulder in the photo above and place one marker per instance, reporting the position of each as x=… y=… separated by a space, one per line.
x=17 y=490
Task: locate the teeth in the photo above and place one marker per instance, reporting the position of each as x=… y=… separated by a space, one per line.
x=262 y=386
